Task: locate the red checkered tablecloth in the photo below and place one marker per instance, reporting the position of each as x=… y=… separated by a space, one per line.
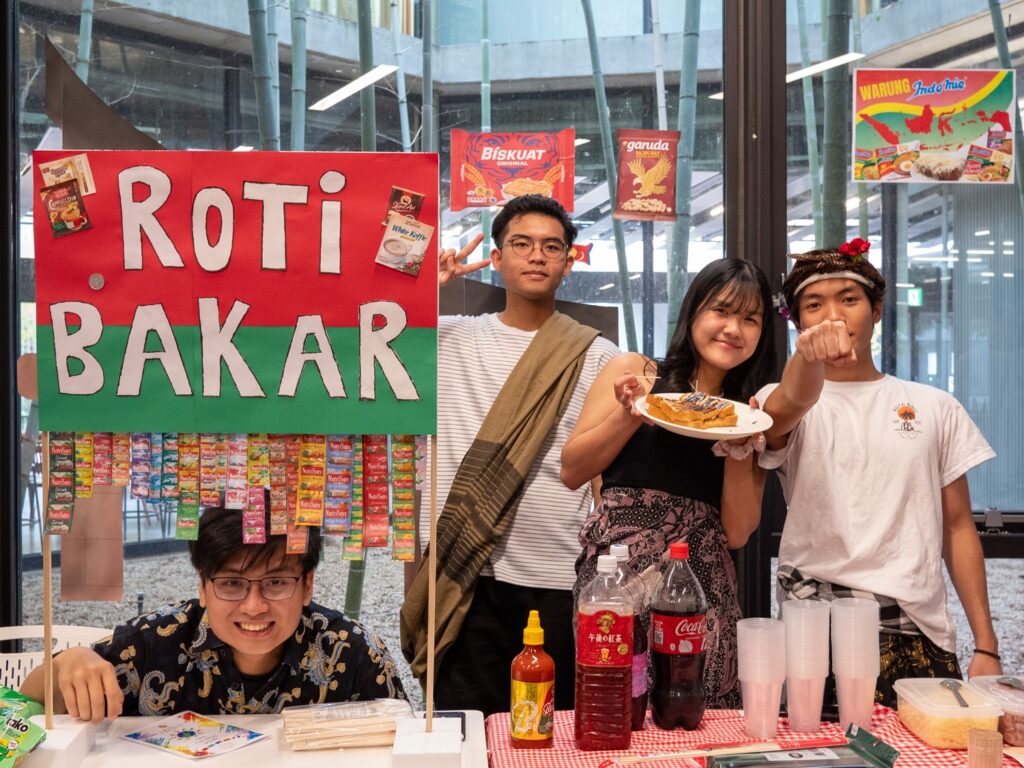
x=720 y=726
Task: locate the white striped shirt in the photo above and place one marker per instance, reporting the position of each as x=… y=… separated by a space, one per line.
x=476 y=354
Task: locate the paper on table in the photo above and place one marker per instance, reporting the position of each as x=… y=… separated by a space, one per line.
x=194 y=736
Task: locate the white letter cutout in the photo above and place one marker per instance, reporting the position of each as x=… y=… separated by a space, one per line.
x=67 y=345
x=217 y=345
x=374 y=346
x=151 y=317
x=305 y=326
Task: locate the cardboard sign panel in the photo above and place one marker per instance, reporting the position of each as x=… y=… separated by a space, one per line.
x=933 y=125
x=235 y=292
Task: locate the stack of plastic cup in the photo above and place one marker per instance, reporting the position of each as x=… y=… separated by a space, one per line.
x=984 y=749
x=761 y=653
x=855 y=661
x=806 y=661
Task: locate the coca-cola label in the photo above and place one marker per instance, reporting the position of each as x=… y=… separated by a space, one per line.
x=678 y=635
x=604 y=639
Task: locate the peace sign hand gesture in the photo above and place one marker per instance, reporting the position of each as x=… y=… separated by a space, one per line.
x=451 y=264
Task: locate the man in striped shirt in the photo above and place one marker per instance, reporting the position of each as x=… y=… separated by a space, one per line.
x=532 y=566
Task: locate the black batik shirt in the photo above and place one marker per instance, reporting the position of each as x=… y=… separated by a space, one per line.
x=171 y=661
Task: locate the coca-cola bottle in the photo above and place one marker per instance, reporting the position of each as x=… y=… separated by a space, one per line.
x=604 y=661
x=635 y=586
x=678 y=630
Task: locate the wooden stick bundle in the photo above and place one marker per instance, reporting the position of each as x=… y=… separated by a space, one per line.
x=344 y=725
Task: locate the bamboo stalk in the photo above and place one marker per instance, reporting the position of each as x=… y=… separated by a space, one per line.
x=678 y=267
x=837 y=127
x=610 y=170
x=261 y=73
x=810 y=123
x=659 y=67
x=273 y=56
x=298 y=137
x=485 y=100
x=84 y=40
x=427 y=127
x=403 y=101
x=1003 y=49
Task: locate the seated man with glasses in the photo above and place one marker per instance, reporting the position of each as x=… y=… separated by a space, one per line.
x=253 y=642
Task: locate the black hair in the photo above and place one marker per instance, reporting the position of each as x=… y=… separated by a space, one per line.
x=220 y=539
x=826 y=261
x=744 y=287
x=519 y=206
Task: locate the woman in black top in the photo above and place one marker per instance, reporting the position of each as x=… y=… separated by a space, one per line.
x=659 y=487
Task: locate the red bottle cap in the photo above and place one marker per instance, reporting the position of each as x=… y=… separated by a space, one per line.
x=679 y=550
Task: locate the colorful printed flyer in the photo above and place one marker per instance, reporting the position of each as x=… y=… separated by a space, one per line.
x=934 y=125
x=169 y=467
x=492 y=168
x=156 y=466
x=236 y=492
x=141 y=465
x=353 y=548
x=312 y=468
x=403 y=497
x=121 y=458
x=194 y=736
x=278 y=485
x=187 y=521
x=338 y=488
x=254 y=525
x=60 y=505
x=102 y=462
x=376 y=490
x=83 y=465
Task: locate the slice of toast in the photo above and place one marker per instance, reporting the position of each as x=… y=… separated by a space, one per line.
x=695 y=409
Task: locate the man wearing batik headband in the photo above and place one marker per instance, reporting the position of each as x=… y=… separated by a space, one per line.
x=874 y=472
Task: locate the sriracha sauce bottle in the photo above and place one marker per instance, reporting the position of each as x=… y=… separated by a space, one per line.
x=533 y=691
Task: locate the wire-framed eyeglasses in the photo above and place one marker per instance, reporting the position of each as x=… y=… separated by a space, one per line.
x=522 y=247
x=236 y=588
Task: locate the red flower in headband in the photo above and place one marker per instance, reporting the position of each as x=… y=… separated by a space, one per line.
x=855 y=249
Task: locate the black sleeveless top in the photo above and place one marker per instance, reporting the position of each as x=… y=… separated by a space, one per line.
x=664 y=461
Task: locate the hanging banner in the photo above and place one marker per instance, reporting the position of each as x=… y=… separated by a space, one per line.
x=233 y=292
x=491 y=168
x=646 y=188
x=933 y=125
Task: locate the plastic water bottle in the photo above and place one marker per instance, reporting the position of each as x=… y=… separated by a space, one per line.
x=604 y=660
x=635 y=586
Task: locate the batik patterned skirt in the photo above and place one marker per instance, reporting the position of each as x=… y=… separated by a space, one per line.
x=648 y=521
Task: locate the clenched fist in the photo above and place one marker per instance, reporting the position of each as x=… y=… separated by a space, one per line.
x=827 y=342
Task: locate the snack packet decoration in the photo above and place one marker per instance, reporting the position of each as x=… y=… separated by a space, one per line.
x=65 y=208
x=18 y=734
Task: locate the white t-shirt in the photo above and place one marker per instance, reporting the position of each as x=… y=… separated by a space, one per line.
x=863 y=474
x=476 y=354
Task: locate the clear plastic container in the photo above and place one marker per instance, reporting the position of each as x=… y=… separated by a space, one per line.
x=932 y=713
x=1011 y=724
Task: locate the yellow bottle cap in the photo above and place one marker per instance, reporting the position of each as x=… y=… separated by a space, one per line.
x=534 y=633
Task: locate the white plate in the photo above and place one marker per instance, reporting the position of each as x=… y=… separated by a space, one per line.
x=750 y=421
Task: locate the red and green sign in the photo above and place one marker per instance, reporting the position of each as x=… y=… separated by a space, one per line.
x=235 y=292
x=933 y=125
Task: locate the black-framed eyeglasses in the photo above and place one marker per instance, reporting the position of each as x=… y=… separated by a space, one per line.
x=237 y=587
x=551 y=250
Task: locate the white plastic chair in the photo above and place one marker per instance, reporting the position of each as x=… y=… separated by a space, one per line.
x=14 y=667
